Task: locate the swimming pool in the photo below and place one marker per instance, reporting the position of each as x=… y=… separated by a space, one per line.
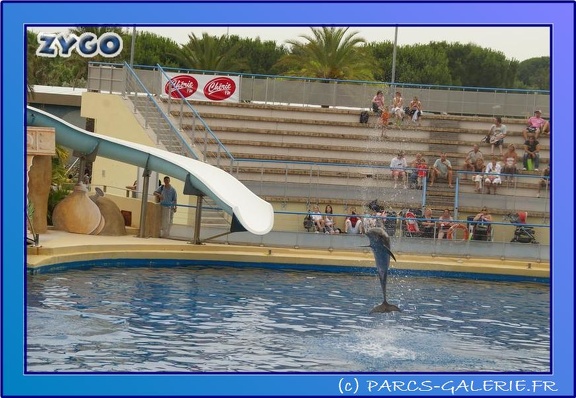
x=234 y=319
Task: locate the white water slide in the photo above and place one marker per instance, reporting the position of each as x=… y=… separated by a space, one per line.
x=254 y=214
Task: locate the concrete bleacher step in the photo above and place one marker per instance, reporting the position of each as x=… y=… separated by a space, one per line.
x=338 y=144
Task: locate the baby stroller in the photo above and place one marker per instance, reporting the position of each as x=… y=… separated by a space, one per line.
x=479 y=230
x=410 y=225
x=522 y=233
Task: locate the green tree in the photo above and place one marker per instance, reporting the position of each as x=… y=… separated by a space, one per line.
x=260 y=56
x=151 y=49
x=331 y=53
x=534 y=73
x=210 y=53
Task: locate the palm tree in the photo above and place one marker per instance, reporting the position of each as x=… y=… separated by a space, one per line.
x=330 y=53
x=210 y=53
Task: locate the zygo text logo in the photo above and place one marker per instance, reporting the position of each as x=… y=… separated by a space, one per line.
x=88 y=45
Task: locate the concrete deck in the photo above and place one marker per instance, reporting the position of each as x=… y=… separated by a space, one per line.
x=59 y=250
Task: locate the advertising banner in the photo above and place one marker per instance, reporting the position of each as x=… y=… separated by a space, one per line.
x=201 y=87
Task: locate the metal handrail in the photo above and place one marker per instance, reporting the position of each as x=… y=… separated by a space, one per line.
x=207 y=129
x=161 y=113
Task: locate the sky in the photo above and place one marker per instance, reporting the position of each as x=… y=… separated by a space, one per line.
x=518 y=43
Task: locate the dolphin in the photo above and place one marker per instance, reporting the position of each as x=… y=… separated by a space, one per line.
x=380 y=244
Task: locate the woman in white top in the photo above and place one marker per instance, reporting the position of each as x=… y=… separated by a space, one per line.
x=492 y=175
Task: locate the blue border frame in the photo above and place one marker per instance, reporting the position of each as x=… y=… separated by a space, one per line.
x=559 y=15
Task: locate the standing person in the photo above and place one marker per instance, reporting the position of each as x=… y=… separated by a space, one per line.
x=87 y=179
x=398 y=166
x=415 y=109
x=497 y=133
x=441 y=168
x=422 y=172
x=532 y=152
x=398 y=107
x=413 y=178
x=378 y=102
x=535 y=126
x=166 y=196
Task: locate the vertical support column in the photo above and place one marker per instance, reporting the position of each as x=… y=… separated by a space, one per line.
x=144 y=203
x=198 y=220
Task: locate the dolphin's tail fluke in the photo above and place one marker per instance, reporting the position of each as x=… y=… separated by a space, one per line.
x=385 y=307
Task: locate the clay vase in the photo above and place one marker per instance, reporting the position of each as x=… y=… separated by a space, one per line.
x=111 y=213
x=78 y=214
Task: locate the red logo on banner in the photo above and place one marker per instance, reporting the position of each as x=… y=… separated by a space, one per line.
x=186 y=85
x=219 y=89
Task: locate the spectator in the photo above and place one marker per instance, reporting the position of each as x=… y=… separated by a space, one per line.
x=445 y=221
x=535 y=126
x=471 y=158
x=531 y=152
x=413 y=178
x=415 y=110
x=398 y=107
x=545 y=181
x=378 y=103
x=353 y=223
x=329 y=225
x=166 y=196
x=481 y=228
x=509 y=159
x=484 y=215
x=442 y=168
x=492 y=178
x=497 y=133
x=422 y=172
x=317 y=219
x=383 y=122
x=479 y=168
x=398 y=166
x=428 y=224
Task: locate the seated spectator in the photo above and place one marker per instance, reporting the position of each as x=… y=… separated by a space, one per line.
x=422 y=173
x=398 y=107
x=428 y=224
x=445 y=222
x=378 y=102
x=481 y=228
x=471 y=158
x=532 y=152
x=398 y=167
x=413 y=177
x=479 y=168
x=353 y=223
x=329 y=225
x=492 y=177
x=535 y=126
x=442 y=168
x=509 y=159
x=497 y=133
x=415 y=110
x=545 y=181
x=317 y=219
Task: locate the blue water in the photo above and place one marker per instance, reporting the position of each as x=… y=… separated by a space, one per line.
x=221 y=319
